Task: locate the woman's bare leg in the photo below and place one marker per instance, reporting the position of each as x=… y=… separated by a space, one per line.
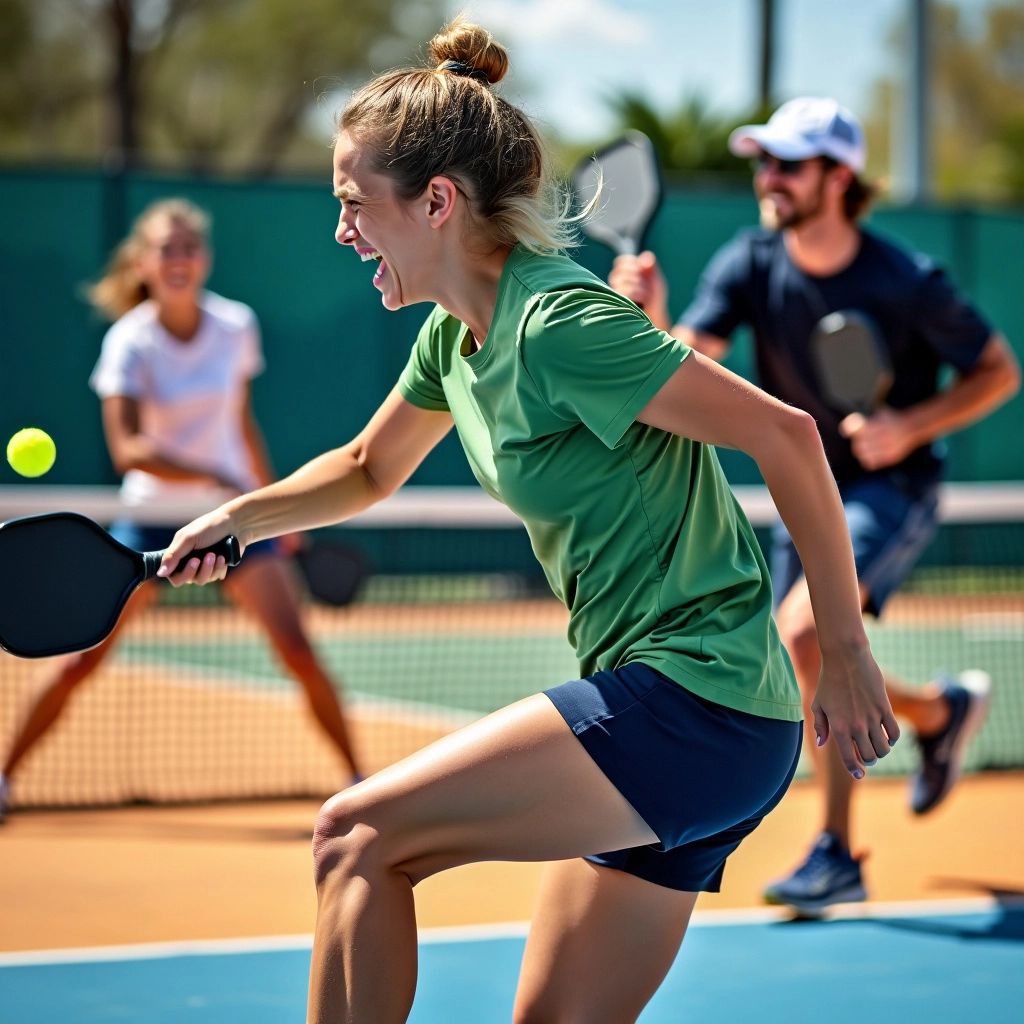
x=599 y=946
x=924 y=708
x=265 y=588
x=517 y=785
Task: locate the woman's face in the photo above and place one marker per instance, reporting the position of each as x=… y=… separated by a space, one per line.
x=391 y=234
x=174 y=261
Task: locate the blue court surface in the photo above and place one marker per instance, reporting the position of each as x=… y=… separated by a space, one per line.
x=955 y=962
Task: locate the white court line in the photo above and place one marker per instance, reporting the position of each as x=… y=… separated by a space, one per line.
x=156 y=950
x=484 y=932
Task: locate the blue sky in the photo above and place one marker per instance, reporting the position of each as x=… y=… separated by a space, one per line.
x=568 y=55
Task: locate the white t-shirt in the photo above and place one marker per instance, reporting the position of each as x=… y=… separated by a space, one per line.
x=190 y=393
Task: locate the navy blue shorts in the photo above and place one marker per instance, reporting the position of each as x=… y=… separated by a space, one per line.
x=156 y=538
x=891 y=522
x=701 y=775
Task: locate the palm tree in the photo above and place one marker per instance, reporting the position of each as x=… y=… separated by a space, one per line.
x=691 y=141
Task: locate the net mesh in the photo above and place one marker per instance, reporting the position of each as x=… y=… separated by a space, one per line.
x=455 y=621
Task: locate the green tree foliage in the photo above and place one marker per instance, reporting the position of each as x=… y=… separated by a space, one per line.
x=691 y=140
x=201 y=85
x=977 y=103
x=979 y=114
x=977 y=110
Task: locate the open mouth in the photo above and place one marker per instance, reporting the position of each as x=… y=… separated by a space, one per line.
x=372 y=254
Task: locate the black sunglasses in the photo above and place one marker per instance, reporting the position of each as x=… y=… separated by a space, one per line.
x=787 y=168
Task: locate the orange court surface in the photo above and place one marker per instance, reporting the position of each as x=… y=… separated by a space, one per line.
x=149 y=874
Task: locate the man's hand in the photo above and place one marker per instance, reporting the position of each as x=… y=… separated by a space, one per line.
x=640 y=278
x=881 y=439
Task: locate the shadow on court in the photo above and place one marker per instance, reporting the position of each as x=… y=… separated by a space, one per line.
x=158 y=827
x=1005 y=922
x=225 y=833
x=1006 y=927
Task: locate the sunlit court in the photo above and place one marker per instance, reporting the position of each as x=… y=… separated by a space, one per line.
x=544 y=310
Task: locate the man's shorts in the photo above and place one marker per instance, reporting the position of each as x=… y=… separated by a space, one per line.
x=156 y=538
x=701 y=775
x=891 y=521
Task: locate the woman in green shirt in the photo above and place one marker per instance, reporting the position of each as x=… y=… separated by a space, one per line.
x=639 y=778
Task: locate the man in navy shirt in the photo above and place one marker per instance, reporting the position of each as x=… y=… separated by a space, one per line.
x=812 y=258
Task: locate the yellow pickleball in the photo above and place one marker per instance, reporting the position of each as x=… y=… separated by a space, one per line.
x=31 y=452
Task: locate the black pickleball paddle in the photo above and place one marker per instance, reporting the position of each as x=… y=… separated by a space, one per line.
x=853 y=364
x=66 y=582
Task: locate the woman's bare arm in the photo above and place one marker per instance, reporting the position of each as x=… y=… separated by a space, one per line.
x=709 y=403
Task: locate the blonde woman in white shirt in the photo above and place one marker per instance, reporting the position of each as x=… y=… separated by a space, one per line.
x=174 y=380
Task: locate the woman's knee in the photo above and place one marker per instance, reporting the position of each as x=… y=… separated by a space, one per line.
x=345 y=842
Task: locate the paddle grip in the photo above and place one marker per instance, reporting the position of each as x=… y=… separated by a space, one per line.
x=228 y=547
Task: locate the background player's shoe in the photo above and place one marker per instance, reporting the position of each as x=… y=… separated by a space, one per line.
x=828 y=875
x=942 y=755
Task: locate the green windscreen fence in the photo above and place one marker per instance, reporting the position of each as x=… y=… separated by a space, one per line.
x=332 y=351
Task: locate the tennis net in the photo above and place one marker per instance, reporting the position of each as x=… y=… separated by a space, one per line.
x=454 y=621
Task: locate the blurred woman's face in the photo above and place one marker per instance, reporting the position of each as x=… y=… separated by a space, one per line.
x=174 y=261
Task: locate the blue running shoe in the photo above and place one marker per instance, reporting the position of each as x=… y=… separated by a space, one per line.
x=828 y=875
x=942 y=755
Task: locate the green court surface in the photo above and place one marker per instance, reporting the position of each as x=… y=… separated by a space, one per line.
x=463 y=675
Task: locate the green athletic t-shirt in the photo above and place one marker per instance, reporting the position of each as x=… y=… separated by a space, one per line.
x=636 y=529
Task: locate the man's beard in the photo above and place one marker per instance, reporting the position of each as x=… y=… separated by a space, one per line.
x=772 y=220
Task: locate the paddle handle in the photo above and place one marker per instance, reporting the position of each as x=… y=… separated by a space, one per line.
x=228 y=547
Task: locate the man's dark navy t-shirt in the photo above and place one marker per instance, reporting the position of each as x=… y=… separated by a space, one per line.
x=924 y=321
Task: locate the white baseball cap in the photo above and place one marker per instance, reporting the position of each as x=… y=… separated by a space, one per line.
x=803 y=128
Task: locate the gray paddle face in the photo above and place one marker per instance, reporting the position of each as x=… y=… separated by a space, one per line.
x=631 y=192
x=853 y=365
x=65 y=583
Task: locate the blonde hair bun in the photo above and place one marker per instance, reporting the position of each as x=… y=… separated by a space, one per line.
x=471 y=46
